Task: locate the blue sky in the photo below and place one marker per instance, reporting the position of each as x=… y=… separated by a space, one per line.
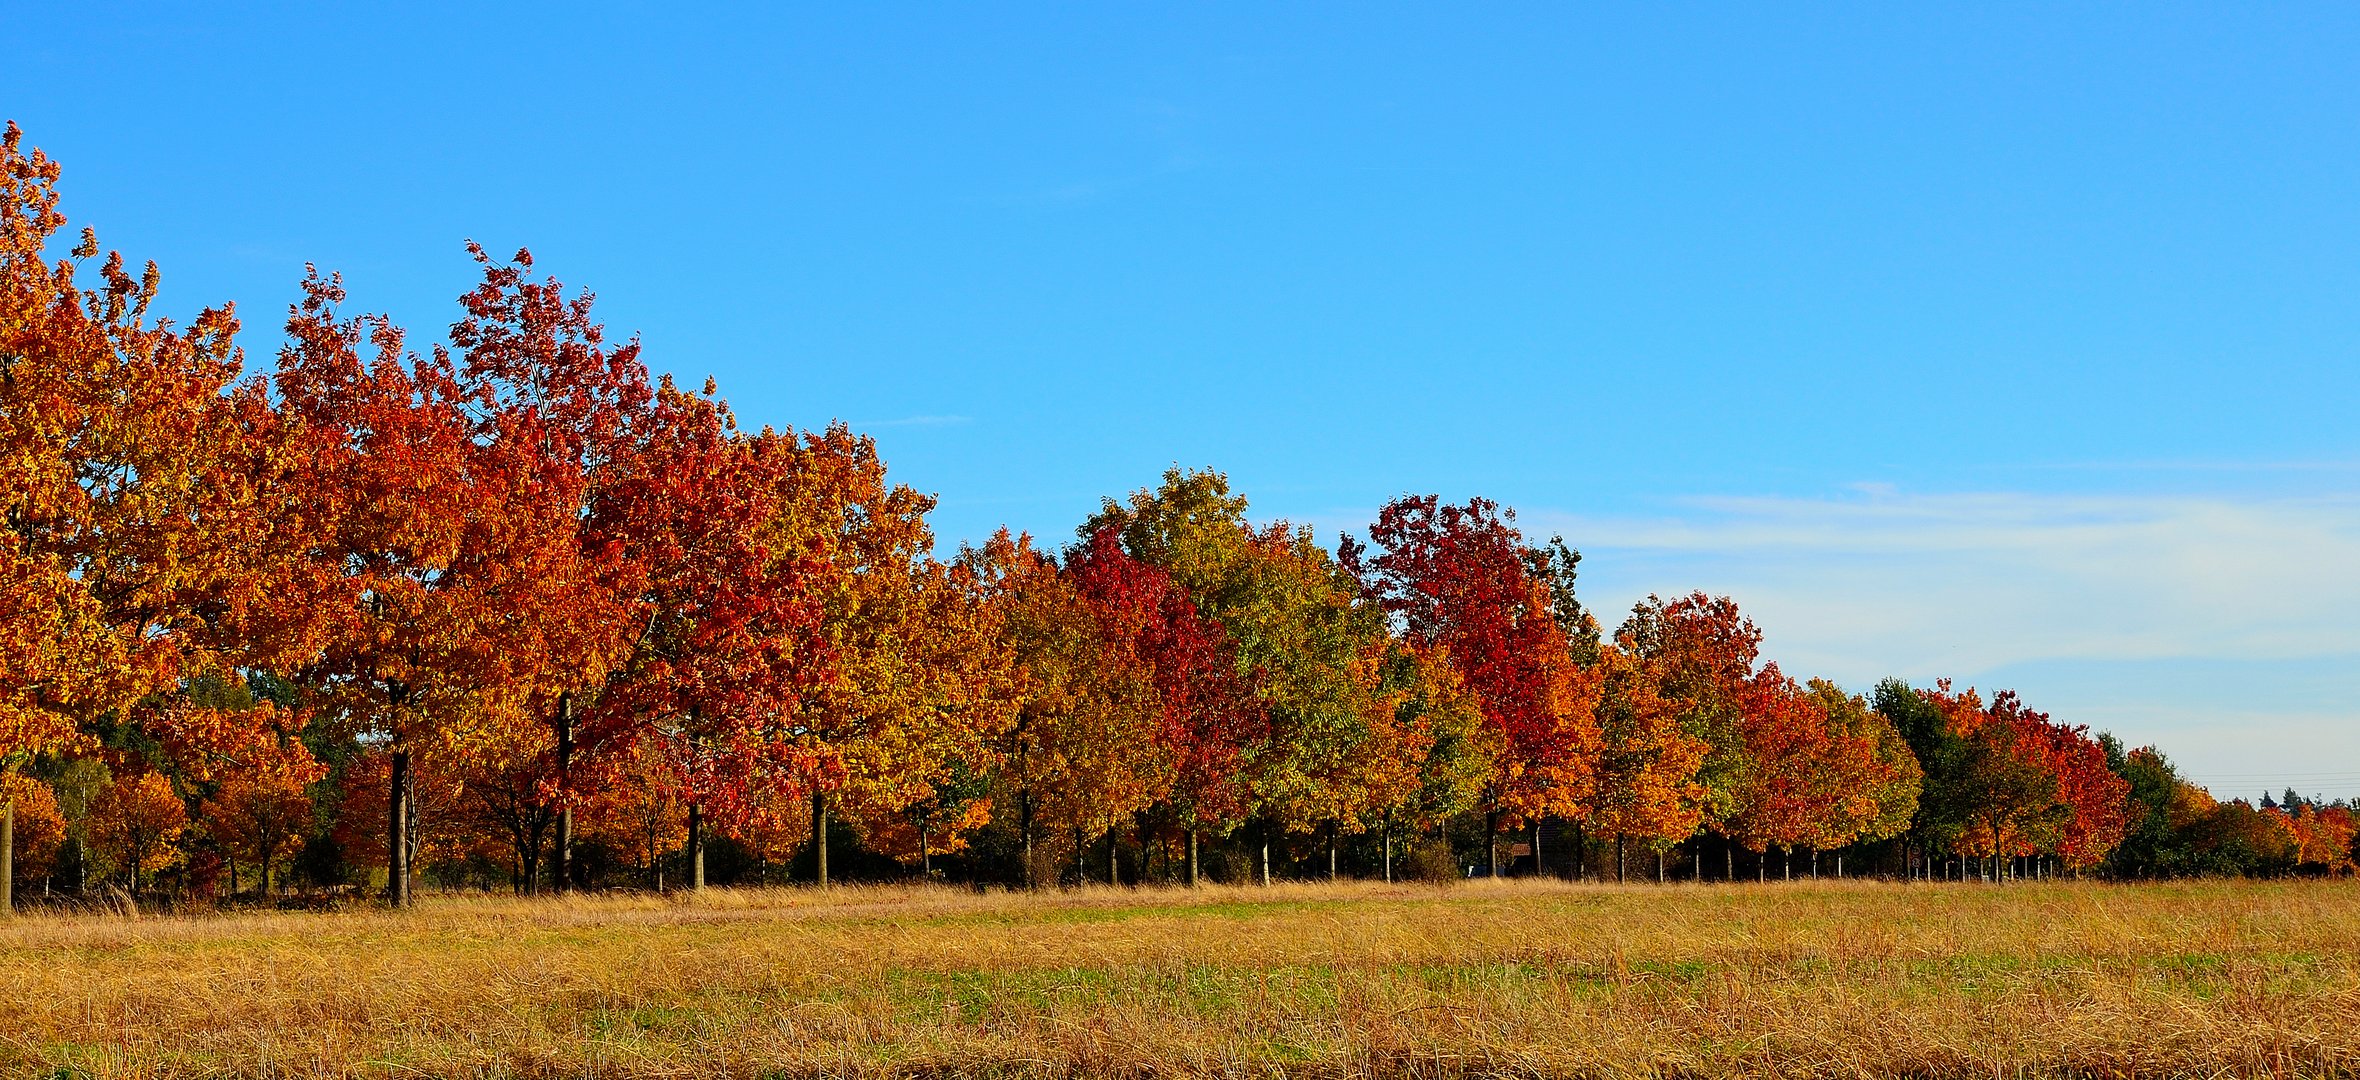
x=2001 y=343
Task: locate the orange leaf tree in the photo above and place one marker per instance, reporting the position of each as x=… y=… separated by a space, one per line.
x=1874 y=778
x=903 y=701
x=39 y=825
x=1647 y=765
x=1083 y=747
x=135 y=825
x=259 y=816
x=133 y=466
x=1701 y=653
x=724 y=641
x=1819 y=771
x=447 y=494
x=556 y=411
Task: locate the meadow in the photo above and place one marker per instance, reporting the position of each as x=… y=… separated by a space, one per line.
x=1513 y=978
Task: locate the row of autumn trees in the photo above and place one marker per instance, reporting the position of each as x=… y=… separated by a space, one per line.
x=510 y=601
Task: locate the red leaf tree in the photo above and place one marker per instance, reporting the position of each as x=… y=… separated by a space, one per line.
x=1457 y=578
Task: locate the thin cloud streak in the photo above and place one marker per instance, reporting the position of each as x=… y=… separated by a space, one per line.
x=1968 y=582
x=2047 y=593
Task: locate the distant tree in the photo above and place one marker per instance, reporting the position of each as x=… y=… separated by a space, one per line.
x=1796 y=768
x=260 y=817
x=2236 y=837
x=2095 y=799
x=136 y=824
x=1648 y=787
x=1872 y=777
x=2324 y=838
x=1457 y=578
x=906 y=689
x=707 y=703
x=1302 y=637
x=2162 y=808
x=634 y=807
x=1083 y=749
x=1453 y=752
x=39 y=825
x=1702 y=653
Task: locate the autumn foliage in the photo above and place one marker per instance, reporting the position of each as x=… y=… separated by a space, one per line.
x=512 y=606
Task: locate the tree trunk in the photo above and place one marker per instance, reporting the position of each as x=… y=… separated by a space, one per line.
x=1539 y=866
x=1491 y=843
x=1114 y=848
x=1024 y=824
x=696 y=848
x=1192 y=871
x=1388 y=847
x=655 y=862
x=1728 y=860
x=819 y=838
x=1696 y=853
x=925 y=855
x=1659 y=866
x=1331 y=851
x=565 y=791
x=1622 y=862
x=1265 y=837
x=7 y=859
x=397 y=861
x=1581 y=852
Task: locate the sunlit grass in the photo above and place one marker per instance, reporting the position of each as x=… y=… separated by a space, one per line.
x=1512 y=978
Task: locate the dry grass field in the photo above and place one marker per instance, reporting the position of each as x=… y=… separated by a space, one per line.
x=1490 y=979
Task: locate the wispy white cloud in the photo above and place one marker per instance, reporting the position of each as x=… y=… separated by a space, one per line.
x=1964 y=583
x=2070 y=598
x=2238 y=750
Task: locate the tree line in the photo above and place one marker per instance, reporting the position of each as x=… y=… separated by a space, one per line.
x=509 y=608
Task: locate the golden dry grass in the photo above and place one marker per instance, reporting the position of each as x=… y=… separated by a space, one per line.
x=1505 y=979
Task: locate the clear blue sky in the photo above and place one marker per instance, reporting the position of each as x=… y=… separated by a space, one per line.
x=2014 y=345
